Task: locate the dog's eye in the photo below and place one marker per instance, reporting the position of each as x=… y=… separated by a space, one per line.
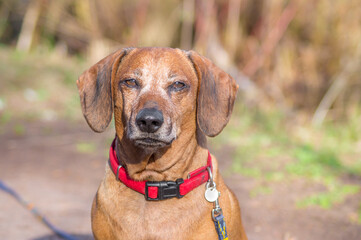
x=132 y=83
x=177 y=86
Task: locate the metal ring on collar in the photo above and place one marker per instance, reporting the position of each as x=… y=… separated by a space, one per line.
x=118 y=171
x=210 y=181
x=210 y=184
x=210 y=174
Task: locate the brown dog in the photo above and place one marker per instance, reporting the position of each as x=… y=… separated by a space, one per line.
x=165 y=101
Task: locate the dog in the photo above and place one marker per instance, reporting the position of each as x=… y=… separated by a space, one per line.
x=165 y=102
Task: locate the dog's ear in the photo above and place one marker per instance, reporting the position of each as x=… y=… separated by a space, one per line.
x=95 y=91
x=216 y=94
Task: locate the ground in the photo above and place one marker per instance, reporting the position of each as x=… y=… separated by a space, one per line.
x=58 y=166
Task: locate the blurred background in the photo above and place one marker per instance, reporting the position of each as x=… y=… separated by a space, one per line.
x=291 y=152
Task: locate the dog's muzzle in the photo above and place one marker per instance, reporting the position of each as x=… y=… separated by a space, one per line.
x=150 y=130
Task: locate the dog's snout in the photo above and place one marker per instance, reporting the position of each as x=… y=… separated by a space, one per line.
x=149 y=120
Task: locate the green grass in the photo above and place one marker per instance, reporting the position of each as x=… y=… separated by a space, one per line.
x=247 y=171
x=85 y=147
x=5 y=117
x=314 y=164
x=19 y=129
x=260 y=139
x=72 y=108
x=33 y=85
x=328 y=199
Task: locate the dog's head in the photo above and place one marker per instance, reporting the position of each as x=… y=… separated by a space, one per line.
x=155 y=94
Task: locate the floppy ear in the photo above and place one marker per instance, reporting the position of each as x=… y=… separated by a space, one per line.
x=95 y=91
x=216 y=94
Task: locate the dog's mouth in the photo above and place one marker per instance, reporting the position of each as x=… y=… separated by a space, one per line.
x=151 y=142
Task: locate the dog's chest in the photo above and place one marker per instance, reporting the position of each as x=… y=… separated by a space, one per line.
x=158 y=223
x=135 y=218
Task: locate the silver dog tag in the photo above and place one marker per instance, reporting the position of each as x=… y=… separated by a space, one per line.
x=211 y=194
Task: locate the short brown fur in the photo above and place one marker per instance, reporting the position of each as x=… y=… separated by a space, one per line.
x=201 y=109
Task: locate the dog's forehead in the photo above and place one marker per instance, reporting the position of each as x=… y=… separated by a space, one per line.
x=166 y=62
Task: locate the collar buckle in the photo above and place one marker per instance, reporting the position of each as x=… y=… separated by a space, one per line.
x=166 y=189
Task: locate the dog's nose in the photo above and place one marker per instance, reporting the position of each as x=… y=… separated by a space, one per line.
x=149 y=120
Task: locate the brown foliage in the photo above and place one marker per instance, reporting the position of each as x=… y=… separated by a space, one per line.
x=292 y=50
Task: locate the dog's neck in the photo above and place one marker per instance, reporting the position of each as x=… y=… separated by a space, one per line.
x=187 y=153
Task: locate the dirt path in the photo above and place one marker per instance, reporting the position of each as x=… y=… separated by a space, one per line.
x=44 y=165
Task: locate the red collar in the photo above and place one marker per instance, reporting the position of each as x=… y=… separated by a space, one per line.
x=163 y=189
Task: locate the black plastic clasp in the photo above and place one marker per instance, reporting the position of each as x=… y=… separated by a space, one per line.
x=166 y=189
